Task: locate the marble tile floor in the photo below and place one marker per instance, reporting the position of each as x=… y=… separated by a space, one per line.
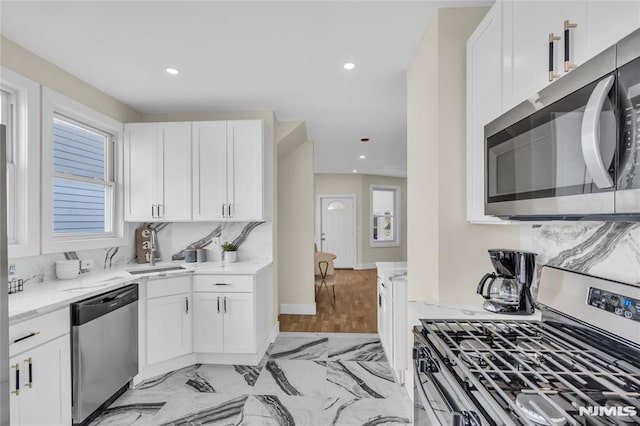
x=305 y=379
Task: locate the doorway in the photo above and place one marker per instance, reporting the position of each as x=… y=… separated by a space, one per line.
x=337 y=228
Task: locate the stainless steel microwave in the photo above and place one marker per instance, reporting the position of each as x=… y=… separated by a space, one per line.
x=572 y=151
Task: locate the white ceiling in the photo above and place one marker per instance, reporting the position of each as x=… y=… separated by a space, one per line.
x=242 y=56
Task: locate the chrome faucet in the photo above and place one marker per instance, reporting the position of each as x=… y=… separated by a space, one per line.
x=153 y=241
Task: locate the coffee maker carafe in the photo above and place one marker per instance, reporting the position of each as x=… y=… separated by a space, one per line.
x=509 y=287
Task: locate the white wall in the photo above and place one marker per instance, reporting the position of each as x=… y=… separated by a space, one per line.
x=446 y=255
x=295 y=235
x=359 y=185
x=22 y=61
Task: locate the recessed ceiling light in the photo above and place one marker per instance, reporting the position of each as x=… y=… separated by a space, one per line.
x=362 y=157
x=355 y=171
x=173 y=71
x=349 y=66
x=364 y=140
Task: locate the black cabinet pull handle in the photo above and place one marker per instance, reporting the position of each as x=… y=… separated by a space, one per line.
x=552 y=41
x=20 y=339
x=223 y=284
x=223 y=210
x=218 y=304
x=229 y=210
x=17 y=390
x=186 y=304
x=30 y=361
x=568 y=66
x=225 y=304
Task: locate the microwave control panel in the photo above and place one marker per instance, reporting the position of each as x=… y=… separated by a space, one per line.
x=629 y=99
x=617 y=304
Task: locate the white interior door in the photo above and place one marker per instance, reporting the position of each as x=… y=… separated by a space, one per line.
x=337 y=229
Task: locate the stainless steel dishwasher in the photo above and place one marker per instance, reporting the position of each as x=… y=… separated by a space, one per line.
x=104 y=349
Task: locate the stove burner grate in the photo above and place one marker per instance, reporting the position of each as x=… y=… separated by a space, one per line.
x=503 y=363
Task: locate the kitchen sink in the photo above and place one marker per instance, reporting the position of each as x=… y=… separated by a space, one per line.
x=154 y=269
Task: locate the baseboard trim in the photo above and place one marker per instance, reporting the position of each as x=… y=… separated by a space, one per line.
x=361 y=266
x=298 y=309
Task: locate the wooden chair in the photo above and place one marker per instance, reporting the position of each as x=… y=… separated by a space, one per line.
x=325 y=275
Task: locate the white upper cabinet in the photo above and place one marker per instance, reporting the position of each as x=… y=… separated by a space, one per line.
x=140 y=170
x=600 y=24
x=527 y=29
x=158 y=172
x=174 y=171
x=588 y=27
x=245 y=161
x=228 y=170
x=484 y=103
x=209 y=170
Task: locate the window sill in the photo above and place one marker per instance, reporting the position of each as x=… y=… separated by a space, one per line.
x=75 y=244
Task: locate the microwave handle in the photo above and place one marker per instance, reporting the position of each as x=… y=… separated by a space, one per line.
x=591 y=134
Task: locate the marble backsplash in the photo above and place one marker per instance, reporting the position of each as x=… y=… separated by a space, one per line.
x=604 y=249
x=254 y=240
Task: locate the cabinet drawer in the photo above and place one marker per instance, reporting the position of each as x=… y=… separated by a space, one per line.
x=224 y=283
x=35 y=331
x=168 y=287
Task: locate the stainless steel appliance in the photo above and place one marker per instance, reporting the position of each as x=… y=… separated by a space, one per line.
x=573 y=150
x=509 y=287
x=4 y=282
x=104 y=352
x=580 y=365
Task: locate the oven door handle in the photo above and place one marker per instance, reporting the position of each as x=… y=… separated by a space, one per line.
x=457 y=417
x=590 y=137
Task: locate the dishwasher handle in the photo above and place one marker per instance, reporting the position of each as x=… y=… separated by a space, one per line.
x=98 y=306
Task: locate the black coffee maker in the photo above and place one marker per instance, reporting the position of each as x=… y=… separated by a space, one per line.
x=509 y=288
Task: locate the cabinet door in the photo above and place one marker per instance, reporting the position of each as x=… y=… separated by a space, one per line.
x=168 y=327
x=484 y=103
x=209 y=170
x=387 y=319
x=174 y=171
x=239 y=323
x=208 y=321
x=245 y=169
x=527 y=25
x=48 y=398
x=140 y=144
x=600 y=24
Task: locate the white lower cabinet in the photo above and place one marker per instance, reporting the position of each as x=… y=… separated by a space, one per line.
x=169 y=327
x=208 y=324
x=40 y=373
x=392 y=319
x=224 y=322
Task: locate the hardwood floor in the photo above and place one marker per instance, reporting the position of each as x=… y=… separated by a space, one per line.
x=355 y=311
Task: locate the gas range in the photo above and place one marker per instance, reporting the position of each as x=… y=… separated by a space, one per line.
x=579 y=365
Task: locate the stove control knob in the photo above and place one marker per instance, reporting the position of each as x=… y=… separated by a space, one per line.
x=628 y=314
x=618 y=311
x=614 y=300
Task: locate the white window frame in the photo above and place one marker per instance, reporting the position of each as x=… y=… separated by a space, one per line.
x=54 y=104
x=397 y=226
x=25 y=236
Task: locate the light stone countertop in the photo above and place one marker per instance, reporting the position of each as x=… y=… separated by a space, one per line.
x=50 y=295
x=392 y=270
x=435 y=310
